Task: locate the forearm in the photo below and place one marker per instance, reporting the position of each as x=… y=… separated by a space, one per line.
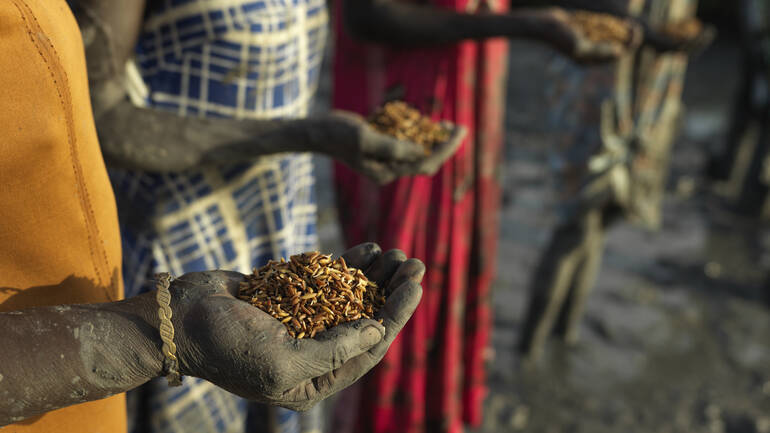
x=420 y=24
x=614 y=7
x=157 y=141
x=54 y=357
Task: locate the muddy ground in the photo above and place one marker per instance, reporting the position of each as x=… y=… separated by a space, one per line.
x=675 y=338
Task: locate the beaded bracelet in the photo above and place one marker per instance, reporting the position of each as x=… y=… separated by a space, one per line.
x=170 y=361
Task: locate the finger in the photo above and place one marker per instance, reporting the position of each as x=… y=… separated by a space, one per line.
x=603 y=51
x=408 y=169
x=386 y=148
x=443 y=152
x=377 y=171
x=385 y=266
x=362 y=256
x=460 y=132
x=395 y=315
x=703 y=40
x=334 y=347
x=410 y=270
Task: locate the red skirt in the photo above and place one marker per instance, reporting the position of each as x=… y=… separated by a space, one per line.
x=432 y=378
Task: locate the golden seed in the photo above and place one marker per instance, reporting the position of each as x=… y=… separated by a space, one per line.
x=404 y=122
x=311 y=292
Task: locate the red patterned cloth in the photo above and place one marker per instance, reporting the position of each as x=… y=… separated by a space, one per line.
x=432 y=378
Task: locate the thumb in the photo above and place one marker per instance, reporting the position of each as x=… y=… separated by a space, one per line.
x=334 y=347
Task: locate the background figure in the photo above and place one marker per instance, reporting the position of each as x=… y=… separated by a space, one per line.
x=244 y=60
x=742 y=168
x=448 y=220
x=209 y=129
x=438 y=56
x=618 y=124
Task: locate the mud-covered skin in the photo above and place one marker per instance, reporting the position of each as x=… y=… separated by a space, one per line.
x=246 y=351
x=647 y=35
x=151 y=140
x=416 y=24
x=54 y=357
x=156 y=141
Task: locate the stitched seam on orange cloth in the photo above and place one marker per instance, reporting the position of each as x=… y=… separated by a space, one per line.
x=53 y=63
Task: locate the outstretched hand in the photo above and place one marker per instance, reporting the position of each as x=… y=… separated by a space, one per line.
x=659 y=40
x=442 y=152
x=382 y=157
x=246 y=351
x=569 y=39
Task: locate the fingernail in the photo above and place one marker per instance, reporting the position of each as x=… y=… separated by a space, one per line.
x=370 y=336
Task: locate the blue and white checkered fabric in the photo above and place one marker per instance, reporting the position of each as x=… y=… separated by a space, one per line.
x=219 y=58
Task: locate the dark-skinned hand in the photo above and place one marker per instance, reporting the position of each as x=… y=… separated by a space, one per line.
x=382 y=157
x=570 y=41
x=442 y=152
x=661 y=42
x=246 y=351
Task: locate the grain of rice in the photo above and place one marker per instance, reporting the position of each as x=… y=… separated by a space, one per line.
x=310 y=293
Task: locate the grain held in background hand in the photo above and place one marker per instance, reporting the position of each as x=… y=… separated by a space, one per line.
x=599 y=27
x=404 y=122
x=312 y=292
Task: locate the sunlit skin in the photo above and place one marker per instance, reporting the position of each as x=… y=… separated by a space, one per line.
x=156 y=141
x=80 y=353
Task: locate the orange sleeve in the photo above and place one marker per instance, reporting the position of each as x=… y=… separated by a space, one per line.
x=59 y=238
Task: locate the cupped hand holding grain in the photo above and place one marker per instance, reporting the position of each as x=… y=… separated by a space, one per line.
x=590 y=37
x=383 y=157
x=690 y=36
x=442 y=152
x=378 y=156
x=439 y=140
x=246 y=351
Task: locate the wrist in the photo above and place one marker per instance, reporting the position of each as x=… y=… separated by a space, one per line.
x=530 y=24
x=267 y=137
x=332 y=133
x=140 y=320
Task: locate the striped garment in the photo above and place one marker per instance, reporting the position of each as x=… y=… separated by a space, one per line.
x=220 y=58
x=615 y=124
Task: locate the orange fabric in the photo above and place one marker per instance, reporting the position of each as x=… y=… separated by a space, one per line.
x=59 y=239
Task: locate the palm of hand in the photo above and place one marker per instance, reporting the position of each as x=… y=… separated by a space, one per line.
x=246 y=351
x=569 y=39
x=383 y=158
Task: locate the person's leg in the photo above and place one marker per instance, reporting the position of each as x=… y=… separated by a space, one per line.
x=550 y=284
x=767 y=291
x=754 y=189
x=584 y=279
x=722 y=163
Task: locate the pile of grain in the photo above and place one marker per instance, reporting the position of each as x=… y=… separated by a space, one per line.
x=311 y=293
x=403 y=122
x=599 y=27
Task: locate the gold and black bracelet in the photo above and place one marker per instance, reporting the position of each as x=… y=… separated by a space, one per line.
x=170 y=361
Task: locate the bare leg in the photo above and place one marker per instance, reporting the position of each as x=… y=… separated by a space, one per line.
x=585 y=278
x=550 y=284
